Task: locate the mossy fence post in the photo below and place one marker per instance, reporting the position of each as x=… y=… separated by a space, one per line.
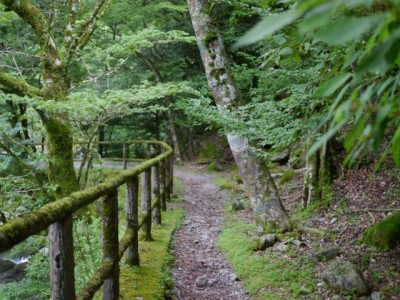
x=156 y=213
x=146 y=205
x=111 y=244
x=132 y=220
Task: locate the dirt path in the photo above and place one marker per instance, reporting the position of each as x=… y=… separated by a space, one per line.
x=201 y=270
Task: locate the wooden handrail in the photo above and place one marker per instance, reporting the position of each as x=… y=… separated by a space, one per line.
x=17 y=230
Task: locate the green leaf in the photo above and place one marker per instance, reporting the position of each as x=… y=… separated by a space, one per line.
x=286 y=51
x=380 y=125
x=329 y=87
x=266 y=27
x=279 y=39
x=382 y=57
x=396 y=147
x=355 y=133
x=345 y=29
x=317 y=17
x=325 y=138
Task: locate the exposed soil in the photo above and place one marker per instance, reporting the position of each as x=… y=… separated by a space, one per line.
x=201 y=270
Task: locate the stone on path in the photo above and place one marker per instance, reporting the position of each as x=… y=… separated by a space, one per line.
x=201 y=281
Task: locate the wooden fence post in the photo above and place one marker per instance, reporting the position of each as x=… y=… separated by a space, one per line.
x=163 y=185
x=156 y=213
x=111 y=244
x=146 y=205
x=132 y=220
x=171 y=173
x=125 y=155
x=167 y=179
x=62 y=279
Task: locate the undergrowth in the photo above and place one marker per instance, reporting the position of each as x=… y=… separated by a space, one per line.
x=265 y=275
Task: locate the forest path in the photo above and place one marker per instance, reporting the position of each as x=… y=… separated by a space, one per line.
x=201 y=270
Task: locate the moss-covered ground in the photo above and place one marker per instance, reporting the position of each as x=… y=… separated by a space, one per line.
x=152 y=280
x=265 y=275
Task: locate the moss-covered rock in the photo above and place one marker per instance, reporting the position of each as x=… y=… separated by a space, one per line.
x=343 y=277
x=384 y=235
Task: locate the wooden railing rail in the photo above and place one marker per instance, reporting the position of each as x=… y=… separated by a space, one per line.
x=157 y=171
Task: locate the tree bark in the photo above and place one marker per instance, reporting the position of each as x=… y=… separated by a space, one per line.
x=256 y=177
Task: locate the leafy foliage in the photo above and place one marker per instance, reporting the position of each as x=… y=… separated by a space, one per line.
x=365 y=77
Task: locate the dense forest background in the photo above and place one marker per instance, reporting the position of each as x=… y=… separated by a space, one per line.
x=309 y=85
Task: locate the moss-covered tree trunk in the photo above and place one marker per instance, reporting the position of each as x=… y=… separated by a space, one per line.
x=256 y=177
x=60 y=165
x=318 y=176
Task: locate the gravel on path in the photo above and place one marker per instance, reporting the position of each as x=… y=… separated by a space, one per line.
x=201 y=270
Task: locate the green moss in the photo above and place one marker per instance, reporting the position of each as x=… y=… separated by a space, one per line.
x=209 y=152
x=212 y=167
x=152 y=280
x=224 y=184
x=217 y=72
x=384 y=235
x=286 y=177
x=210 y=37
x=267 y=276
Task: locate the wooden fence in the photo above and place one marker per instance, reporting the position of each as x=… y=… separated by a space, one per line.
x=157 y=185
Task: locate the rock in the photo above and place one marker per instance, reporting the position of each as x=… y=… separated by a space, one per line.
x=325 y=255
x=212 y=281
x=233 y=277
x=298 y=243
x=263 y=242
x=333 y=221
x=281 y=247
x=306 y=289
x=281 y=158
x=11 y=272
x=376 y=296
x=237 y=205
x=344 y=277
x=321 y=285
x=260 y=230
x=201 y=281
x=295 y=163
x=267 y=240
x=6 y=265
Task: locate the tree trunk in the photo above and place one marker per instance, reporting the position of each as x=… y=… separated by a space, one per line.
x=311 y=192
x=61 y=173
x=255 y=174
x=318 y=176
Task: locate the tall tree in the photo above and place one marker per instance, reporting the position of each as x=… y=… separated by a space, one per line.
x=257 y=179
x=55 y=62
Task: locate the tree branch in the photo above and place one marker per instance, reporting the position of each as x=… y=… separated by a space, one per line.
x=88 y=27
x=31 y=15
x=69 y=30
x=13 y=85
